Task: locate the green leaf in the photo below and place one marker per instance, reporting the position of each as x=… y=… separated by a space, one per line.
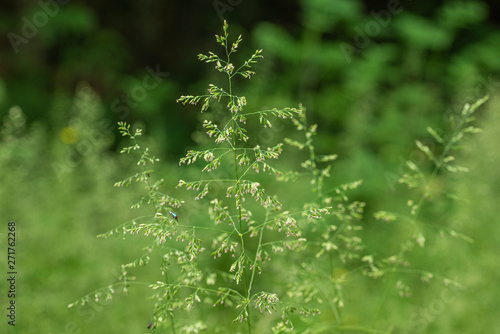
x=435 y=135
x=472 y=129
x=426 y=150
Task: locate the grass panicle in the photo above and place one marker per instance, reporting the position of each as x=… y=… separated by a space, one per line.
x=267 y=263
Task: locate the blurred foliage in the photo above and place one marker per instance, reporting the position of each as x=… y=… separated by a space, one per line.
x=58 y=137
x=372 y=104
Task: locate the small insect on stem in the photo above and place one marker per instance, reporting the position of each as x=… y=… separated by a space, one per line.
x=151 y=325
x=174 y=215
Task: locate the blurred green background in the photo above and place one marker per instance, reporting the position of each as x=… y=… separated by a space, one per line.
x=373 y=75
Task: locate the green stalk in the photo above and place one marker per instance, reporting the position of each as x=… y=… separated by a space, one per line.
x=240 y=222
x=261 y=234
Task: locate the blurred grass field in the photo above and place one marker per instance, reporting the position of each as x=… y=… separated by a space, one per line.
x=60 y=259
x=59 y=157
